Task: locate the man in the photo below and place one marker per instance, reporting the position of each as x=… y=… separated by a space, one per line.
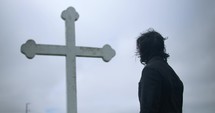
x=160 y=89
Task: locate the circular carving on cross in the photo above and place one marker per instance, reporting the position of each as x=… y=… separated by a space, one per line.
x=108 y=53
x=70 y=14
x=29 y=49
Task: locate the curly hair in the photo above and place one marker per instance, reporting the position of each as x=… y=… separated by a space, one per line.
x=150 y=44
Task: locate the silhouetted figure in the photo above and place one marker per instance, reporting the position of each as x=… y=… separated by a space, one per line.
x=160 y=89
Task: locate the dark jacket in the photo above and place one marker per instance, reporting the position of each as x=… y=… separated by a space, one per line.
x=160 y=89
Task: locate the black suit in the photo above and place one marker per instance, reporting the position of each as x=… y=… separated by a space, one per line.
x=160 y=89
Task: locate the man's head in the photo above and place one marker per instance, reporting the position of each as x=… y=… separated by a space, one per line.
x=151 y=44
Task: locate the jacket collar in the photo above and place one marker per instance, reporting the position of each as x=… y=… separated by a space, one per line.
x=155 y=58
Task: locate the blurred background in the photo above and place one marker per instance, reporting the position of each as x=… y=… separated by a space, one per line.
x=104 y=87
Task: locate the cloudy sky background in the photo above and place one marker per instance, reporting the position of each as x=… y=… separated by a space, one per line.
x=104 y=87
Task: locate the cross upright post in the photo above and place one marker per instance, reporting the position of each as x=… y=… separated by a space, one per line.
x=70 y=16
x=70 y=51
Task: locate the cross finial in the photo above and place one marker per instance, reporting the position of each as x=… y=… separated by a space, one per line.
x=70 y=14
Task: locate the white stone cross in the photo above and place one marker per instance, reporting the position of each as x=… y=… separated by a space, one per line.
x=70 y=51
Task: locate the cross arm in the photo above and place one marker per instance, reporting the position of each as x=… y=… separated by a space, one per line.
x=106 y=53
x=30 y=49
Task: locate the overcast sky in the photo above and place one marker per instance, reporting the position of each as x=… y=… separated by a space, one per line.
x=104 y=87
